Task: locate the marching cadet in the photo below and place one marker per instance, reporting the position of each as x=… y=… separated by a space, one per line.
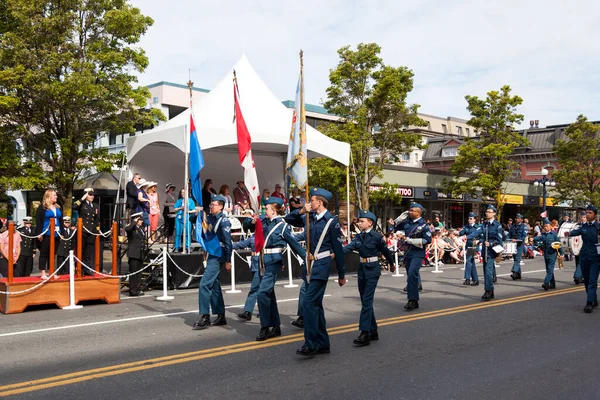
x=490 y=231
x=248 y=243
x=588 y=255
x=25 y=265
x=547 y=238
x=90 y=216
x=577 y=275
x=416 y=236
x=370 y=244
x=470 y=267
x=325 y=246
x=67 y=243
x=210 y=294
x=136 y=251
x=517 y=233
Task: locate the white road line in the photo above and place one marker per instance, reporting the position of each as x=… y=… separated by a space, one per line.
x=114 y=321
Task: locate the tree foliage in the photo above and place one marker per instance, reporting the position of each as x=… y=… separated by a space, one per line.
x=370 y=97
x=383 y=199
x=484 y=163
x=67 y=71
x=579 y=158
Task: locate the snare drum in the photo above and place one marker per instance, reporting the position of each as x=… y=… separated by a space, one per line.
x=510 y=248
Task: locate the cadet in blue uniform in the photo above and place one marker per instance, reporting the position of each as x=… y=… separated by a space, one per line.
x=470 y=267
x=210 y=295
x=589 y=256
x=416 y=236
x=325 y=246
x=577 y=275
x=517 y=234
x=248 y=243
x=299 y=322
x=490 y=231
x=547 y=238
x=277 y=234
x=370 y=245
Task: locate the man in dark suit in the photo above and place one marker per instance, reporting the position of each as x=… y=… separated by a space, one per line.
x=131 y=192
x=25 y=264
x=136 y=252
x=90 y=215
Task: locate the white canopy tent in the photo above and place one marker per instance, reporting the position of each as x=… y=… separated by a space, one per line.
x=158 y=154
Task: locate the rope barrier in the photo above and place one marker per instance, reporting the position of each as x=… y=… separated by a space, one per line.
x=33 y=237
x=70 y=237
x=156 y=261
x=38 y=285
x=179 y=268
x=107 y=234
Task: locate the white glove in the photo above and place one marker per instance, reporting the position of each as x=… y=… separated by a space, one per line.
x=418 y=242
x=401 y=218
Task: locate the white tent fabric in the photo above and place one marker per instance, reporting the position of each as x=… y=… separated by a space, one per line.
x=158 y=154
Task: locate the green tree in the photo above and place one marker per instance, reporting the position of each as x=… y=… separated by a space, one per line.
x=370 y=98
x=383 y=199
x=485 y=162
x=578 y=157
x=16 y=172
x=67 y=71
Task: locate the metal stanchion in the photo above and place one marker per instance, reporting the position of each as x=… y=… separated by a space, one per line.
x=437 y=267
x=397 y=273
x=165 y=296
x=464 y=256
x=72 y=305
x=233 y=289
x=289 y=260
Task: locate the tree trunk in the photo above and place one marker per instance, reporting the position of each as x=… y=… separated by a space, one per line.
x=68 y=200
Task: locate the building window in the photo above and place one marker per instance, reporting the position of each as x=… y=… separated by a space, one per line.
x=444 y=129
x=416 y=157
x=405 y=158
x=459 y=131
x=467 y=131
x=449 y=151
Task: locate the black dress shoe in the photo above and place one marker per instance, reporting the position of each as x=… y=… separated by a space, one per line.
x=411 y=305
x=298 y=322
x=203 y=323
x=546 y=287
x=263 y=334
x=420 y=287
x=405 y=289
x=374 y=335
x=136 y=294
x=274 y=332
x=363 y=339
x=467 y=282
x=306 y=352
x=488 y=295
x=589 y=308
x=552 y=285
x=576 y=281
x=474 y=283
x=324 y=350
x=246 y=316
x=220 y=320
x=595 y=304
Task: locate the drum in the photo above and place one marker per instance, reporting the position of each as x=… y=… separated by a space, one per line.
x=510 y=248
x=572 y=243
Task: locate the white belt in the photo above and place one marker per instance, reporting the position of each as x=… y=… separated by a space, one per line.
x=322 y=254
x=369 y=259
x=274 y=250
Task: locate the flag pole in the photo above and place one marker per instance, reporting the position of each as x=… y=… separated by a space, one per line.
x=307 y=196
x=186 y=187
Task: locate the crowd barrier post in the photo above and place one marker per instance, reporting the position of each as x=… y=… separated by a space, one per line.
x=115 y=237
x=72 y=305
x=437 y=264
x=97 y=266
x=233 y=289
x=397 y=273
x=289 y=261
x=52 y=241
x=165 y=296
x=11 y=260
x=79 y=245
x=464 y=267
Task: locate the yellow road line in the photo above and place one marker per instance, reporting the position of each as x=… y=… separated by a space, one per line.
x=81 y=376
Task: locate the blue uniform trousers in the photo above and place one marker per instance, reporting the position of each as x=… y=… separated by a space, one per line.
x=577 y=274
x=471 y=269
x=252 y=294
x=413 y=265
x=210 y=288
x=315 y=326
x=517 y=257
x=366 y=288
x=589 y=269
x=488 y=271
x=267 y=302
x=179 y=234
x=550 y=261
x=301 y=298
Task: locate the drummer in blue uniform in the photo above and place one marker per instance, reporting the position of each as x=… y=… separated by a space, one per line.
x=277 y=235
x=547 y=238
x=370 y=244
x=416 y=236
x=470 y=267
x=588 y=255
x=325 y=247
x=490 y=232
x=248 y=243
x=517 y=234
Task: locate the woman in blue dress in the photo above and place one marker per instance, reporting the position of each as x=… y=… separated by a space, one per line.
x=179 y=208
x=49 y=209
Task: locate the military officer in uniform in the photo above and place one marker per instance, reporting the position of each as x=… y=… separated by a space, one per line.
x=325 y=247
x=518 y=234
x=490 y=231
x=248 y=243
x=136 y=251
x=66 y=244
x=416 y=236
x=90 y=216
x=210 y=294
x=470 y=267
x=25 y=264
x=547 y=238
x=370 y=244
x=588 y=255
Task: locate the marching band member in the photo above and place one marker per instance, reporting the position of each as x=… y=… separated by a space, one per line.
x=470 y=267
x=517 y=233
x=547 y=238
x=248 y=243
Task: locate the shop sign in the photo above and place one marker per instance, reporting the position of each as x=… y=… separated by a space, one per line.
x=404 y=191
x=511 y=199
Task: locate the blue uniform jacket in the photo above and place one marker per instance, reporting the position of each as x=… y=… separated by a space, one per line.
x=249 y=244
x=416 y=230
x=332 y=242
x=490 y=232
x=467 y=230
x=223 y=234
x=589 y=237
x=280 y=238
x=547 y=238
x=370 y=244
x=518 y=232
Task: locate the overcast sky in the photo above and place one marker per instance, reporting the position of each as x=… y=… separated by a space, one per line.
x=547 y=51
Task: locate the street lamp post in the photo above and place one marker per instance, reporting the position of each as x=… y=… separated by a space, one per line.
x=545 y=181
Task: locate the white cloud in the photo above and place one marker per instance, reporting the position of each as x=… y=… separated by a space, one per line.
x=548 y=51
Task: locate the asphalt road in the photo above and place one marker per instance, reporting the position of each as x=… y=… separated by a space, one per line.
x=525 y=344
